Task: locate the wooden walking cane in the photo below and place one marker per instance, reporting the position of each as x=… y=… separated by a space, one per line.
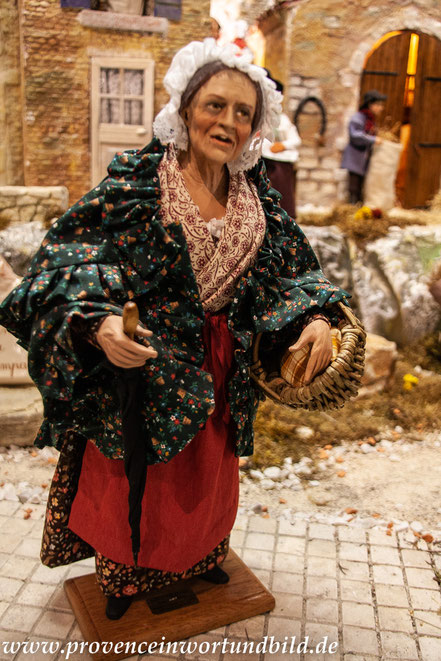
x=136 y=456
x=130 y=319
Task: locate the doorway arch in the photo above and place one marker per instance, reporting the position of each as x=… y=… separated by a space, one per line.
x=406 y=66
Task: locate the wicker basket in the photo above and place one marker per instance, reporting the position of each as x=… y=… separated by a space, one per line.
x=328 y=390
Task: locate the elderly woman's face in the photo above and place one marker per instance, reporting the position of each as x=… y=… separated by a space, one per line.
x=219 y=118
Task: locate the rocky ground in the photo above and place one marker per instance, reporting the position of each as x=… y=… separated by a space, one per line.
x=390 y=482
x=26 y=473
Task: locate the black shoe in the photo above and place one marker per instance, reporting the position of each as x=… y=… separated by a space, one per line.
x=216 y=575
x=117 y=606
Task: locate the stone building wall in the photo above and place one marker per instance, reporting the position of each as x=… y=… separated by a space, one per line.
x=11 y=143
x=56 y=61
x=23 y=204
x=319 y=178
x=329 y=42
x=252 y=10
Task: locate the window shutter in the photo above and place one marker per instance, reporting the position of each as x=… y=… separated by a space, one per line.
x=83 y=4
x=170 y=9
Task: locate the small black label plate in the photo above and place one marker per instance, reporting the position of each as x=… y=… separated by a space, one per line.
x=163 y=603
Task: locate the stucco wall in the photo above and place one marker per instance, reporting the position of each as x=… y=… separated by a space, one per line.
x=57 y=52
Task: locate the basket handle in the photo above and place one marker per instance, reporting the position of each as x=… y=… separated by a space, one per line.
x=256 y=348
x=349 y=314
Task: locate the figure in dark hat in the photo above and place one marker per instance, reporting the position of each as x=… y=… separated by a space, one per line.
x=362 y=136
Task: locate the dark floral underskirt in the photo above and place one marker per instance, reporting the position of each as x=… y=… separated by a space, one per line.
x=122 y=580
x=60 y=546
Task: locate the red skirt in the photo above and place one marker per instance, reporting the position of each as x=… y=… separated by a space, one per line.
x=189 y=504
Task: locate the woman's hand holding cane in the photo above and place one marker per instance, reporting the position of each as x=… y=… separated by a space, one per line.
x=119 y=348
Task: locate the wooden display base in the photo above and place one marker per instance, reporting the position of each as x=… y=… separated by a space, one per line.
x=171 y=614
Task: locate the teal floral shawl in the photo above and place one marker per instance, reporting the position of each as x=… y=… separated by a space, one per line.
x=110 y=247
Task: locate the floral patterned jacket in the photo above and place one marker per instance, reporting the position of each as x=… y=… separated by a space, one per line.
x=110 y=247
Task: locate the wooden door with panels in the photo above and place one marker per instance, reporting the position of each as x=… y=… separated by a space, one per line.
x=122 y=92
x=406 y=66
x=385 y=70
x=424 y=171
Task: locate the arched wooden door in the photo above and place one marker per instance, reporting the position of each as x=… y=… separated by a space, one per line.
x=413 y=99
x=386 y=71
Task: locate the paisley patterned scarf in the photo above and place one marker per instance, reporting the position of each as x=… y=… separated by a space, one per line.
x=217 y=264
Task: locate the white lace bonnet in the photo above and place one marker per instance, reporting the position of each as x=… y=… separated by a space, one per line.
x=169 y=126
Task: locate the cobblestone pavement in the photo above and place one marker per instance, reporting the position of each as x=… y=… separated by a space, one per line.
x=373 y=594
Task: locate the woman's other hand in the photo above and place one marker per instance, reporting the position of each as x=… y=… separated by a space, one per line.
x=120 y=349
x=318 y=334
x=276 y=147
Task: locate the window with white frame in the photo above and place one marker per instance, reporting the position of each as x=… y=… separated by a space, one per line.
x=122 y=93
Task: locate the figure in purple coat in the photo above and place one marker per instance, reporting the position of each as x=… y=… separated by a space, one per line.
x=362 y=136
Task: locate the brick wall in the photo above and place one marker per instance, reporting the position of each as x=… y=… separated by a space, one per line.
x=57 y=77
x=11 y=143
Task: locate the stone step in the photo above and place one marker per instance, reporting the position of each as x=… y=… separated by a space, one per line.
x=21 y=414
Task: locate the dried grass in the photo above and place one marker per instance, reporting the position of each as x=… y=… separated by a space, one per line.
x=361 y=231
